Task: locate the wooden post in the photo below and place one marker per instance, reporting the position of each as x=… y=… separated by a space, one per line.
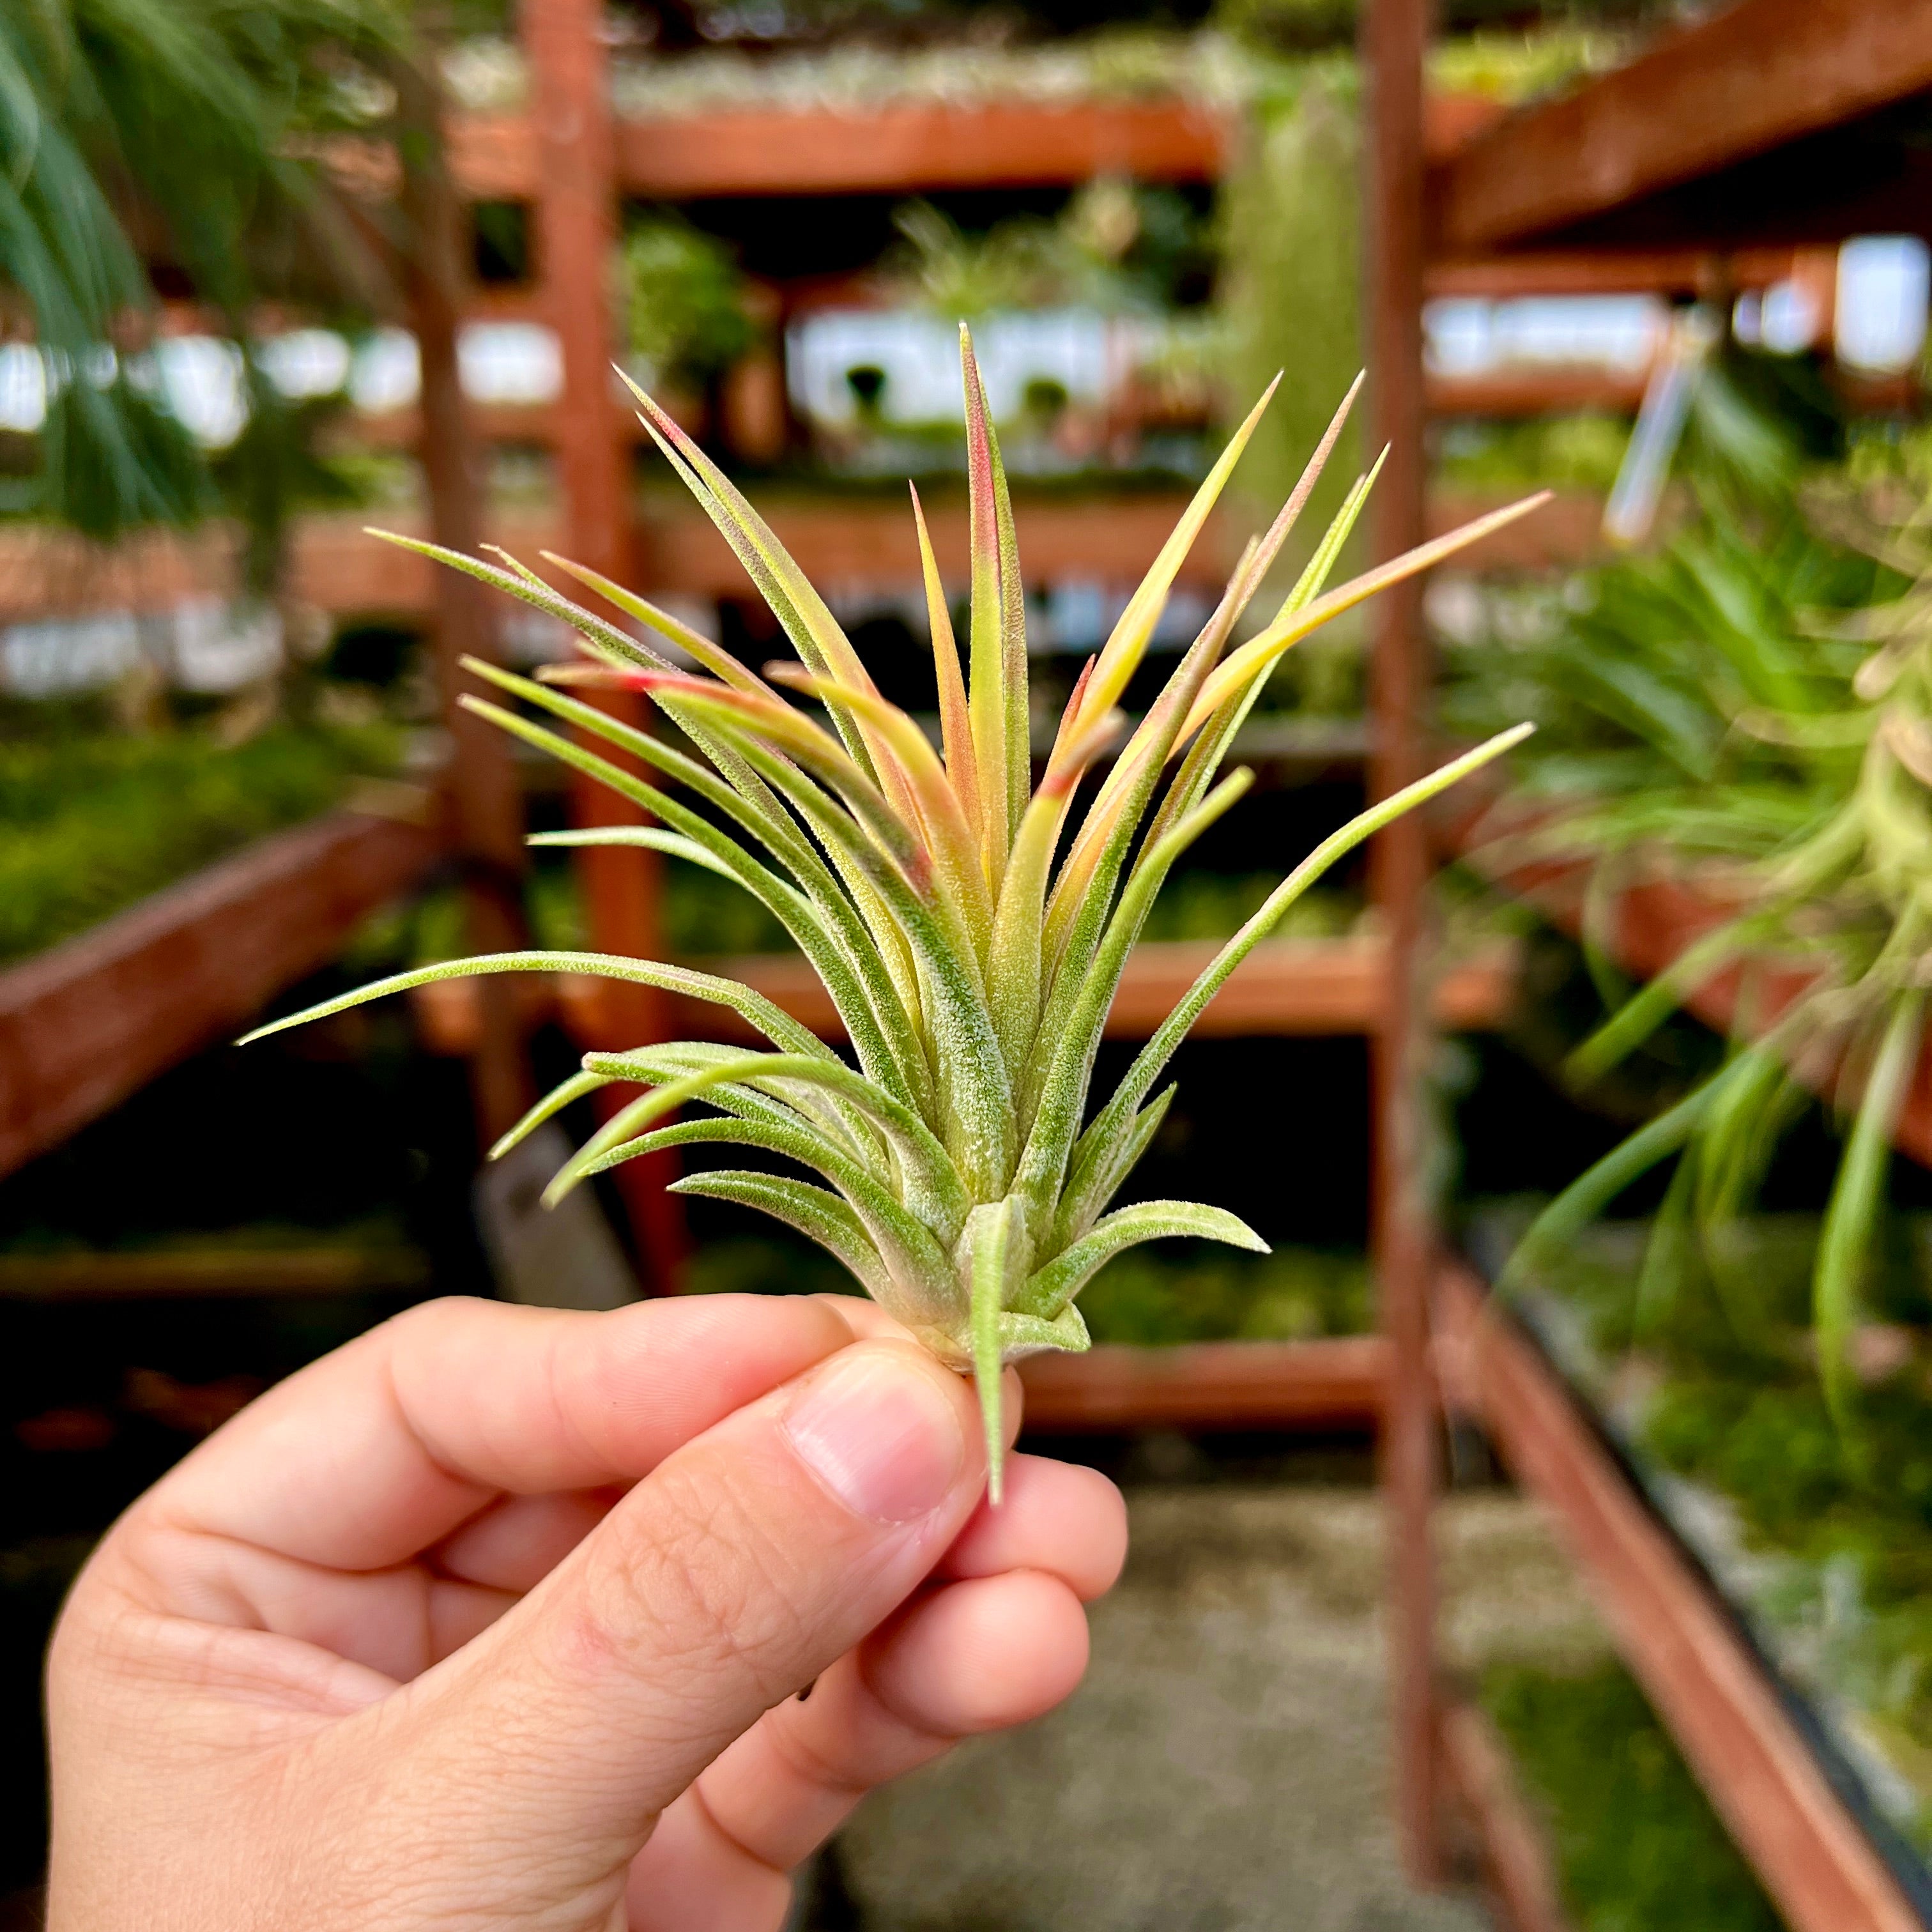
x=486 y=804
x=576 y=231
x=1393 y=33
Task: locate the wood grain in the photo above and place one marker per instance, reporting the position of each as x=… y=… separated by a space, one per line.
x=907 y=148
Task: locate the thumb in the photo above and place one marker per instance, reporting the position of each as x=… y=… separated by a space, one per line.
x=743 y=1566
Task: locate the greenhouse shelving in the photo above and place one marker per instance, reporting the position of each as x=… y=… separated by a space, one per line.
x=1754 y=76
x=841 y=540
x=1759 y=126
x=89 y=1021
x=1680 y=1640
x=1478 y=1768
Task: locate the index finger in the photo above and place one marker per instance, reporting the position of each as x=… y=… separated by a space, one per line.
x=372 y=1454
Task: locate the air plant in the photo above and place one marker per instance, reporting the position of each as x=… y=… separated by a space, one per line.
x=965 y=1188
x=1759 y=714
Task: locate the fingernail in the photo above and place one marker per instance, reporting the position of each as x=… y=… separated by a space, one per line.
x=876 y=1431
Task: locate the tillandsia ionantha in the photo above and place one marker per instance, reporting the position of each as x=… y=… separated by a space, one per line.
x=965 y=1188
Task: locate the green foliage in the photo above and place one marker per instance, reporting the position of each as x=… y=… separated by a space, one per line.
x=1583 y=452
x=1206 y=1294
x=93 y=823
x=1532 y=60
x=1291 y=255
x=1117 y=245
x=685 y=309
x=1638 y=1847
x=179 y=121
x=1756 y=699
x=1833 y=1504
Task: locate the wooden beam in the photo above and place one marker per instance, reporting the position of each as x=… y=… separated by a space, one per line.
x=485 y=797
x=87 y=1023
x=1394 y=33
x=1750 y=77
x=1614 y=271
x=1679 y=1641
x=1516 y=1853
x=909 y=148
x=840 y=545
x=1335 y=1383
x=1552 y=390
x=577 y=234
x=338 y=569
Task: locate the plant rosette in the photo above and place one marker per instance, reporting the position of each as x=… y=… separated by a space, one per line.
x=964 y=1186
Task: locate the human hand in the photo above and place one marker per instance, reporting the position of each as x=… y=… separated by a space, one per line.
x=502 y=1616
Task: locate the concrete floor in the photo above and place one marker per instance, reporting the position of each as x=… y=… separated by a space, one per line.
x=1225 y=1767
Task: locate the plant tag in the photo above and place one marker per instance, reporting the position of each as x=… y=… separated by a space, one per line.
x=560 y=1257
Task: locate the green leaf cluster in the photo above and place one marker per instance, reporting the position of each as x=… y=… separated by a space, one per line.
x=686 y=312
x=169 y=135
x=1753 y=706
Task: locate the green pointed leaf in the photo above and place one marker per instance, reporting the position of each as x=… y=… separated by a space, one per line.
x=778 y=1026
x=995 y=1241
x=1050 y=1289
x=818 y=1215
x=1845 y=1241
x=1102 y=1159
x=1159 y=1049
x=559 y=1097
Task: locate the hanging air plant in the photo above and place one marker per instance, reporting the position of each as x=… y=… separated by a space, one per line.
x=965 y=1187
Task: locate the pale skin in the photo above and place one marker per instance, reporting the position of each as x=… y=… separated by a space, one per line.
x=500 y=1616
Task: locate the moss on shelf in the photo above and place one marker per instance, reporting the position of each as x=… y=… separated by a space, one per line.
x=95 y=822
x=1638 y=1848
x=1820 y=1525
x=1185 y=1293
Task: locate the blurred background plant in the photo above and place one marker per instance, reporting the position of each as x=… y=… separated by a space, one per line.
x=1747 y=709
x=686 y=315
x=157 y=149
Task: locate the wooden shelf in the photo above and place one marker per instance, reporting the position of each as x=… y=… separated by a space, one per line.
x=1538 y=391
x=1516 y=1853
x=1336 y=1383
x=1286 y=987
x=1678 y=1639
x=1751 y=77
x=86 y=1023
x=910 y=147
x=1616 y=271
